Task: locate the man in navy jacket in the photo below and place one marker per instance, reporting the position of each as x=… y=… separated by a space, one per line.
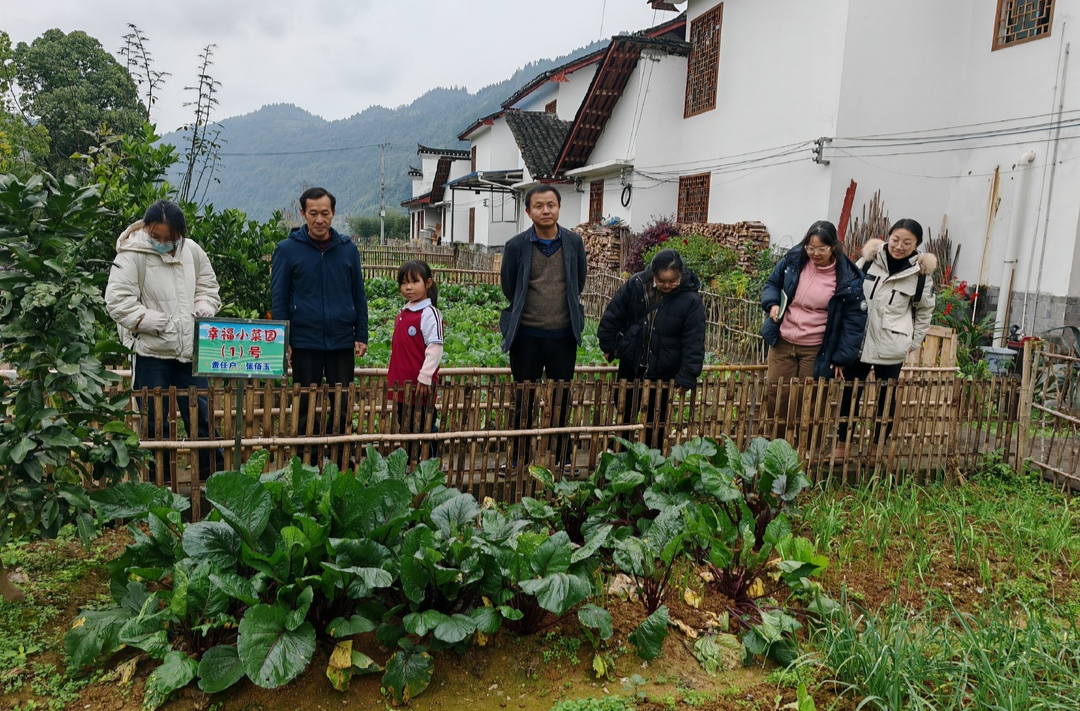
x=317 y=285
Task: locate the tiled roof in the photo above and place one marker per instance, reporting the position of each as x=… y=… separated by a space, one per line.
x=540 y=136
x=453 y=152
x=415 y=172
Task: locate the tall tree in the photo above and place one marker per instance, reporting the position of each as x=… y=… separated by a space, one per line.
x=74 y=87
x=23 y=143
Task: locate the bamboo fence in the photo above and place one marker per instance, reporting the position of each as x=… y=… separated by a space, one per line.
x=397 y=253
x=941 y=426
x=442 y=275
x=1052 y=382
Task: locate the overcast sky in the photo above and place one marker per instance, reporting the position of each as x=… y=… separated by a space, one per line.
x=333 y=58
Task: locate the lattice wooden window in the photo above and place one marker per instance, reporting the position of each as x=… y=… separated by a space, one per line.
x=694 y=198
x=472 y=154
x=472 y=225
x=596 y=200
x=1022 y=20
x=550 y=106
x=704 y=63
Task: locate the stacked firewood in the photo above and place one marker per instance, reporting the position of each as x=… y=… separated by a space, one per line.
x=603 y=245
x=748 y=238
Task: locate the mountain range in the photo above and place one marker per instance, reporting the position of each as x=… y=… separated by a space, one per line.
x=268 y=157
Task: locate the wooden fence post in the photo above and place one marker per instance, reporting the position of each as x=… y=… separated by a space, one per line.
x=1027 y=392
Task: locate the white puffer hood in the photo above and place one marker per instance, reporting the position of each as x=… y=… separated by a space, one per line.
x=926 y=262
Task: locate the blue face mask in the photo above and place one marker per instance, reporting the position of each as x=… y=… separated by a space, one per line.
x=163 y=247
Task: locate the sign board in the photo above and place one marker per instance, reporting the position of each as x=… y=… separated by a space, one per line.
x=241 y=348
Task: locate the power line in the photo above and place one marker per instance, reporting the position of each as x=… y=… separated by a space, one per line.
x=883 y=136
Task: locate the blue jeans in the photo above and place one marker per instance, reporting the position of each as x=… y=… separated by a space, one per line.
x=162 y=373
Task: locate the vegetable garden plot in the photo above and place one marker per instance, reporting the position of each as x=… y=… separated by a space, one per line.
x=299 y=558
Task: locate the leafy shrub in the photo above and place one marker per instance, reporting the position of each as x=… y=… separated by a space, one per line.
x=366 y=227
x=953 y=310
x=239 y=250
x=655 y=234
x=58 y=426
x=701 y=255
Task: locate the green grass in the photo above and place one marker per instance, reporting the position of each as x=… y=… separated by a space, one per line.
x=940 y=658
x=1008 y=640
x=31 y=649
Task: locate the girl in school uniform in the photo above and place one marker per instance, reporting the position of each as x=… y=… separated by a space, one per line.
x=416 y=349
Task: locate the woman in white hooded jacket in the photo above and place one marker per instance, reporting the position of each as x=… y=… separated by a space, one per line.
x=900 y=298
x=159 y=282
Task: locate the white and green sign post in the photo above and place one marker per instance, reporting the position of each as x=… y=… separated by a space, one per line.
x=241 y=349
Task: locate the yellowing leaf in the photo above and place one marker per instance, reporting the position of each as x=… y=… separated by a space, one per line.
x=127 y=671
x=78 y=622
x=339 y=669
x=599 y=666
x=757 y=588
x=481 y=639
x=685 y=628
x=691 y=598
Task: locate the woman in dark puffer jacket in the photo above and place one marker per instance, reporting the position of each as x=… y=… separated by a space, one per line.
x=815 y=315
x=655 y=326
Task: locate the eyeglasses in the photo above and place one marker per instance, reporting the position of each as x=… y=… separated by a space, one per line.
x=817 y=250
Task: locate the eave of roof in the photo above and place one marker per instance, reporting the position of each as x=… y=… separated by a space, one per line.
x=418 y=200
x=482 y=121
x=604 y=92
x=448 y=152
x=442 y=174
x=673 y=25
x=540 y=80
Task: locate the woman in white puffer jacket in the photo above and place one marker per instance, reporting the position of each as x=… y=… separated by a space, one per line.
x=899 y=292
x=159 y=282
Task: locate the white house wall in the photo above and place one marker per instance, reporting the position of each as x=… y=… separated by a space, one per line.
x=778 y=87
x=643 y=130
x=568 y=94
x=887 y=89
x=428 y=165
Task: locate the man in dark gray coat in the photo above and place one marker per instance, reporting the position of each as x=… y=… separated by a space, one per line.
x=543 y=275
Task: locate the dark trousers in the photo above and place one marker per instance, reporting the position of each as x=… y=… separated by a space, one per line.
x=531 y=359
x=860 y=371
x=310 y=367
x=163 y=373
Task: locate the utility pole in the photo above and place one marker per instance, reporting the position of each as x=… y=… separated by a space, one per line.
x=382 y=194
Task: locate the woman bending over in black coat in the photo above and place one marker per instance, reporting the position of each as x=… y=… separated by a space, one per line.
x=655 y=326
